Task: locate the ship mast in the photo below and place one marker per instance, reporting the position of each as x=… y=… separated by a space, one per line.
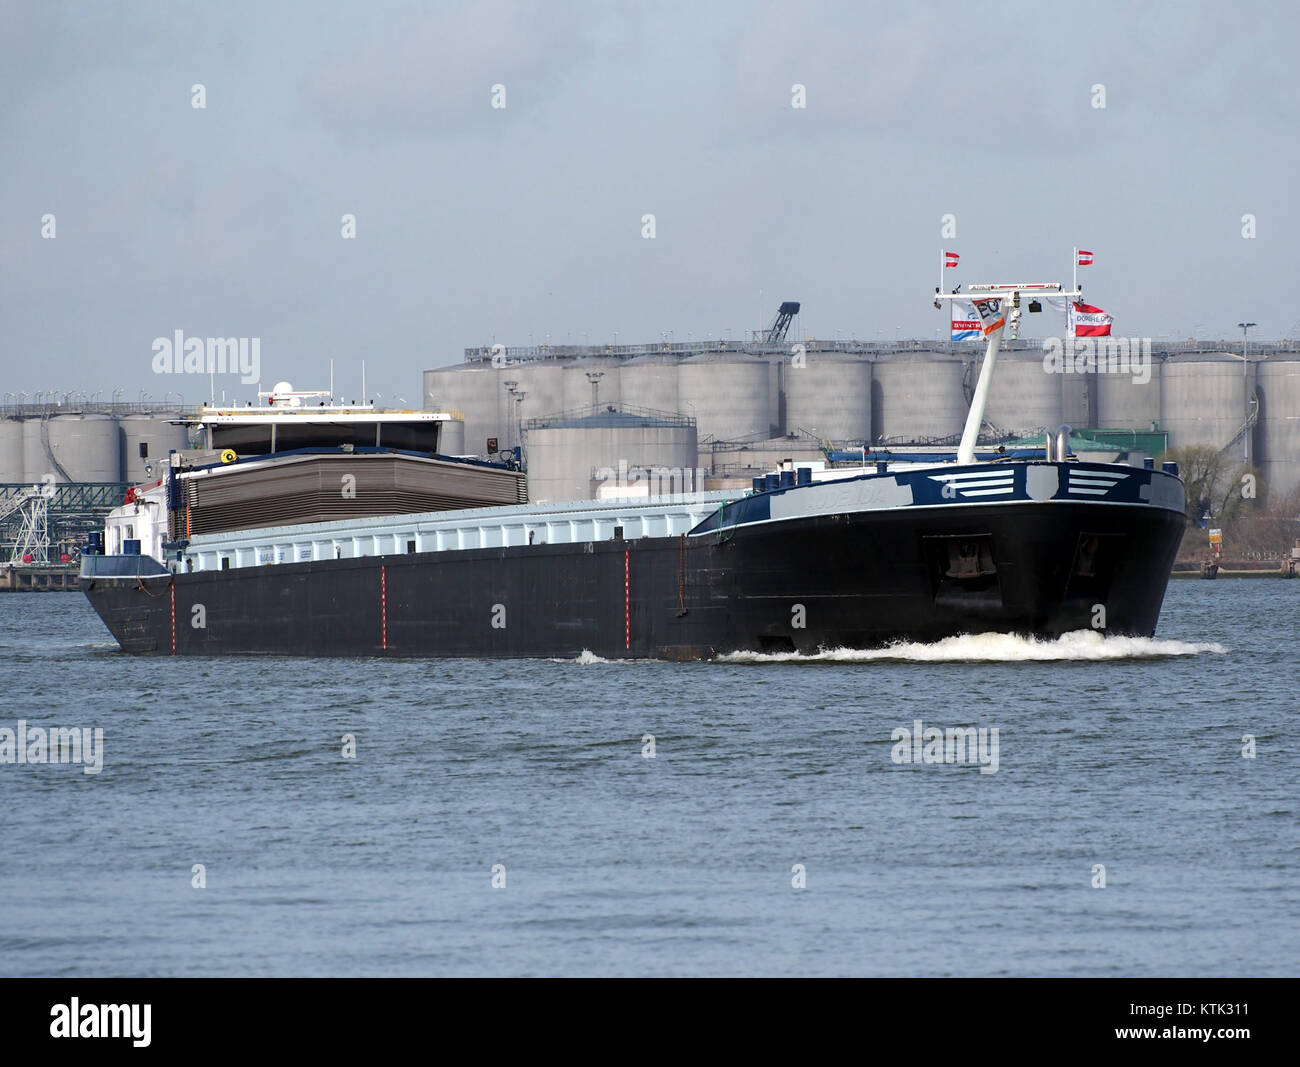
x=994 y=303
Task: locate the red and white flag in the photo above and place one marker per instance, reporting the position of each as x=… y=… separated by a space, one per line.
x=1084 y=320
x=950 y=259
x=1085 y=258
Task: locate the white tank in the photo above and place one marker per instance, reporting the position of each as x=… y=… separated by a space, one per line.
x=563 y=457
x=157 y=435
x=916 y=397
x=12 y=470
x=85 y=448
x=1203 y=400
x=1123 y=404
x=1025 y=397
x=542 y=386
x=451 y=440
x=829 y=396
x=651 y=382
x=577 y=388
x=729 y=397
x=478 y=391
x=1278 y=432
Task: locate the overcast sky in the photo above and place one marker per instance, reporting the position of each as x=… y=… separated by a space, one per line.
x=477 y=224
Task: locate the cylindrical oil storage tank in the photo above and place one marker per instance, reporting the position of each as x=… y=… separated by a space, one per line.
x=86 y=447
x=651 y=382
x=1203 y=399
x=917 y=396
x=12 y=468
x=1278 y=432
x=577 y=386
x=729 y=398
x=828 y=394
x=542 y=386
x=1130 y=401
x=451 y=441
x=1025 y=396
x=620 y=448
x=157 y=436
x=478 y=391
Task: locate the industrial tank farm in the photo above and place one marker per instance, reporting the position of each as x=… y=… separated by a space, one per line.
x=45 y=442
x=72 y=448
x=893 y=393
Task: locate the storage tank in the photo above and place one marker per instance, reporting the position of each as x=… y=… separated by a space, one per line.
x=1125 y=404
x=12 y=468
x=158 y=436
x=650 y=382
x=478 y=391
x=451 y=441
x=917 y=396
x=85 y=447
x=542 y=384
x=1202 y=399
x=577 y=389
x=563 y=453
x=829 y=396
x=1278 y=431
x=729 y=397
x=1025 y=397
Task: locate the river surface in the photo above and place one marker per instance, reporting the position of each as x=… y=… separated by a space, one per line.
x=776 y=830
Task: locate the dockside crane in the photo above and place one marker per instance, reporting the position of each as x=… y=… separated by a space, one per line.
x=775 y=333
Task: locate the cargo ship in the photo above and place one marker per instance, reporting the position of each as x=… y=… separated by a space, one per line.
x=334 y=530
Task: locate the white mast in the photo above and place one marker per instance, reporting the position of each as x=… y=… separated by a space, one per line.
x=975 y=419
x=993 y=303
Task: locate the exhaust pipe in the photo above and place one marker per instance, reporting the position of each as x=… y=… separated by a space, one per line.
x=1062 y=443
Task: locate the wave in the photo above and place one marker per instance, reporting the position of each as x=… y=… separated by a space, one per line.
x=1079 y=645
x=585 y=658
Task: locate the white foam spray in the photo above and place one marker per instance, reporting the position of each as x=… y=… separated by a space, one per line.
x=1080 y=645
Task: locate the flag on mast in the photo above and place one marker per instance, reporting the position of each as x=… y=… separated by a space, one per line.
x=1084 y=320
x=990 y=312
x=965 y=321
x=1085 y=258
x=950 y=259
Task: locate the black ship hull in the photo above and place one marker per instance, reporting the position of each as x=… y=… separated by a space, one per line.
x=852 y=580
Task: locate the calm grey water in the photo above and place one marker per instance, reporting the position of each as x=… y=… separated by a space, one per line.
x=1127 y=754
